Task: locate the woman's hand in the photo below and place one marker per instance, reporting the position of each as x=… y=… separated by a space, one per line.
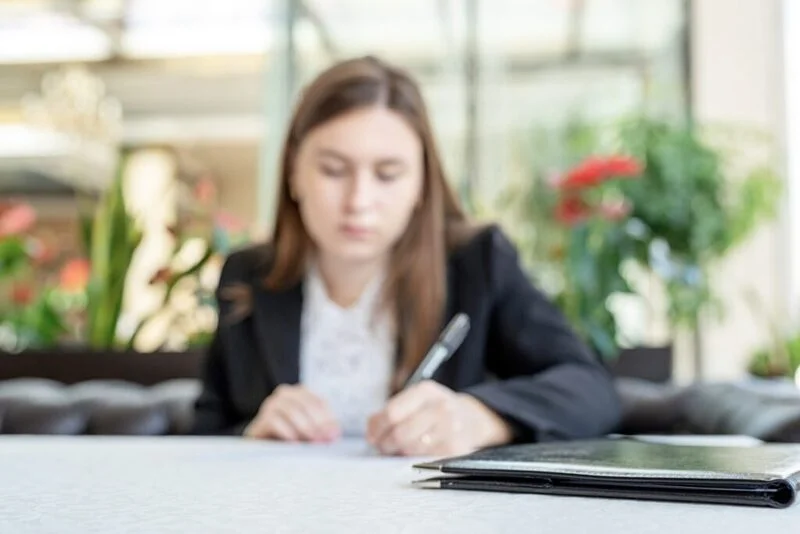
x=293 y=413
x=430 y=419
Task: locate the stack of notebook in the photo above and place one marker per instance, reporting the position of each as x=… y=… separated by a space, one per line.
x=763 y=475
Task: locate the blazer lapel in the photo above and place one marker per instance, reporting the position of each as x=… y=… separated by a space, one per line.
x=277 y=332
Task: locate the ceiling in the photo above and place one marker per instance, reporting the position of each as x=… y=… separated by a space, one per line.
x=199 y=74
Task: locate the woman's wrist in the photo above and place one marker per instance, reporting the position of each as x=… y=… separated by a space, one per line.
x=489 y=428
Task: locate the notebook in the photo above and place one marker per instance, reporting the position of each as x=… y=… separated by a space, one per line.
x=766 y=475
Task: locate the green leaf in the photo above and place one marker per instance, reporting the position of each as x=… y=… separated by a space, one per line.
x=13 y=256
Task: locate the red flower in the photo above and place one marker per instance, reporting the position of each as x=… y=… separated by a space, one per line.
x=21 y=294
x=75 y=276
x=594 y=170
x=16 y=219
x=572 y=210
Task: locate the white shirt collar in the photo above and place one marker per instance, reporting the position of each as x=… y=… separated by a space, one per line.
x=366 y=305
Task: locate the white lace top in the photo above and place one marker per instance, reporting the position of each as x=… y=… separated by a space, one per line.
x=346 y=354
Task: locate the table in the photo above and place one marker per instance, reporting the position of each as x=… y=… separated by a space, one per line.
x=185 y=484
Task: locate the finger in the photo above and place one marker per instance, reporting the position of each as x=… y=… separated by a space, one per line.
x=293 y=413
x=318 y=412
x=399 y=408
x=269 y=424
x=414 y=435
x=280 y=428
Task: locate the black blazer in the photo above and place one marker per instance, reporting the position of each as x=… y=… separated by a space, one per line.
x=520 y=357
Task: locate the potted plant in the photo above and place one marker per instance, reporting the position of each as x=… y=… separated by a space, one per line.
x=779 y=358
x=28 y=314
x=639 y=195
x=78 y=314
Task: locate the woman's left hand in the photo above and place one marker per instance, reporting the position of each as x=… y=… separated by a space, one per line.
x=430 y=419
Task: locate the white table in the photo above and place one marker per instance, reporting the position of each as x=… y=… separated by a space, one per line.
x=163 y=485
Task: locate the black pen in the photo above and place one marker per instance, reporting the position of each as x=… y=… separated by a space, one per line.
x=449 y=340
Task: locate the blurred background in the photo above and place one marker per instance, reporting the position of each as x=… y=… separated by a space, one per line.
x=139 y=142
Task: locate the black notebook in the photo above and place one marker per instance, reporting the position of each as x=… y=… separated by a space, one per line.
x=764 y=475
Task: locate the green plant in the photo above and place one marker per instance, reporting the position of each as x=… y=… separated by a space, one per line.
x=33 y=324
x=16 y=219
x=111 y=237
x=685 y=210
x=694 y=207
x=13 y=256
x=779 y=359
x=29 y=317
x=781 y=355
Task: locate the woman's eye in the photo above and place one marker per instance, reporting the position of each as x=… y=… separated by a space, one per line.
x=335 y=172
x=388 y=176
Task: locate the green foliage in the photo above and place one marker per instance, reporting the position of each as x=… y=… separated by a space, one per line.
x=111 y=237
x=13 y=256
x=688 y=209
x=36 y=325
x=595 y=250
x=781 y=360
x=781 y=355
x=692 y=207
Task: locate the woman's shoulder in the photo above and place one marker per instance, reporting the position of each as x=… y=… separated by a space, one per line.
x=486 y=258
x=247 y=264
x=485 y=243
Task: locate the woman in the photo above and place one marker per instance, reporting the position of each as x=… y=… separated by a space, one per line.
x=371 y=257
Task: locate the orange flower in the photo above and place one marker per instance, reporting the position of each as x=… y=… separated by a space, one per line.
x=75 y=275
x=16 y=219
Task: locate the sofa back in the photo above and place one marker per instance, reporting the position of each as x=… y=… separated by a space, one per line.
x=74 y=392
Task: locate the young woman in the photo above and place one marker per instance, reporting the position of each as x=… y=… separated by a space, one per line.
x=371 y=257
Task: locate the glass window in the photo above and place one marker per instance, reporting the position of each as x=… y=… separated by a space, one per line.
x=493 y=70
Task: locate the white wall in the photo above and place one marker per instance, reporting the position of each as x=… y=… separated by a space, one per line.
x=737 y=77
x=791 y=88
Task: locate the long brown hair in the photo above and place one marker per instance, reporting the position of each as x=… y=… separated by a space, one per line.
x=416 y=283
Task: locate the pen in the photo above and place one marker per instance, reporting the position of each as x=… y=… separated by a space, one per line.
x=449 y=340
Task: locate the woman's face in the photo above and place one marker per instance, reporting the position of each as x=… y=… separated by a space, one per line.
x=358 y=179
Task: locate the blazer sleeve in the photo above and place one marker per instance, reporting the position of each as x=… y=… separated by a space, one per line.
x=214 y=413
x=212 y=410
x=550 y=386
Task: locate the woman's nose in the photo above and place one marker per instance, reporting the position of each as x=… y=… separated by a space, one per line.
x=361 y=192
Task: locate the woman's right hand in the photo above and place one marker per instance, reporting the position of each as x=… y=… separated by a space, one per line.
x=293 y=413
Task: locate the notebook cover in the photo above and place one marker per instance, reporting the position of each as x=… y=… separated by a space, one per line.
x=765 y=475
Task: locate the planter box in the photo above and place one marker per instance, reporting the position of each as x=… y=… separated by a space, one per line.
x=653 y=364
x=73 y=365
